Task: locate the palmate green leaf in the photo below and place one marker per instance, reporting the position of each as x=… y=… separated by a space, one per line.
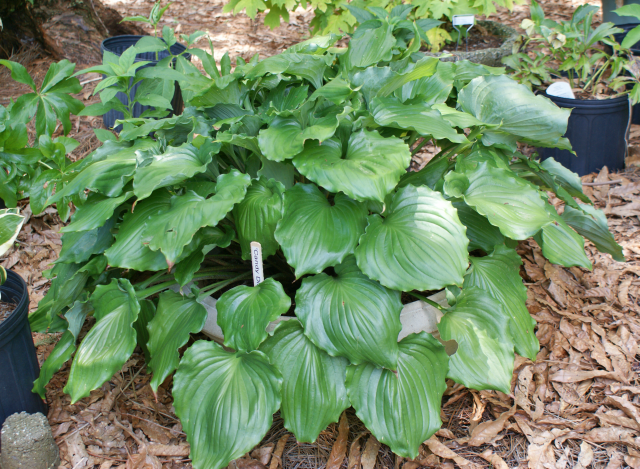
x=480 y=326
x=389 y=112
x=225 y=402
x=95 y=212
x=64 y=348
x=498 y=275
x=313 y=391
x=172 y=167
x=508 y=202
x=502 y=101
x=351 y=316
x=177 y=316
x=481 y=234
x=110 y=172
x=368 y=169
x=419 y=244
x=592 y=224
x=258 y=214
x=19 y=73
x=313 y=233
x=171 y=230
x=109 y=343
x=128 y=251
x=245 y=312
x=402 y=409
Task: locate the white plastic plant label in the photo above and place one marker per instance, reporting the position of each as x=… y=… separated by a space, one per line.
x=561 y=89
x=256 y=263
x=463 y=20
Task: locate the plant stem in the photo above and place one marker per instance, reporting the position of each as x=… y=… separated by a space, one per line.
x=150 y=280
x=211 y=289
x=426 y=300
x=142 y=294
x=420 y=145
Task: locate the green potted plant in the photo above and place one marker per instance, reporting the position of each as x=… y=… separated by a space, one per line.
x=306 y=153
x=604 y=81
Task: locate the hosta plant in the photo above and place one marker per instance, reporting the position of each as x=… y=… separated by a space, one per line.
x=307 y=153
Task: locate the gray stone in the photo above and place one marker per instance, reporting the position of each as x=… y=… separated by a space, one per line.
x=27 y=443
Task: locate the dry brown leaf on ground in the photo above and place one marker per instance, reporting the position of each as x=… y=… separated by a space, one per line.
x=143 y=460
x=441 y=450
x=487 y=431
x=339 y=450
x=276 y=460
x=169 y=450
x=354 y=452
x=496 y=461
x=370 y=453
x=586 y=456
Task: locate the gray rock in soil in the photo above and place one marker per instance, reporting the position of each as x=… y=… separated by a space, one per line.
x=27 y=443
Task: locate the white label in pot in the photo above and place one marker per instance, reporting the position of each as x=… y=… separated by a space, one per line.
x=561 y=89
x=463 y=20
x=256 y=263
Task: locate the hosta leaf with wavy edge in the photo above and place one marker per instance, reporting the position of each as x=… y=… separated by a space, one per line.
x=313 y=391
x=484 y=358
x=482 y=234
x=258 y=214
x=389 y=112
x=592 y=224
x=171 y=230
x=313 y=233
x=129 y=251
x=369 y=169
x=109 y=170
x=65 y=346
x=351 y=315
x=507 y=201
x=225 y=402
x=498 y=275
x=371 y=44
x=95 y=212
x=79 y=246
x=177 y=316
x=420 y=244
x=502 y=101
x=307 y=66
x=402 y=409
x=171 y=167
x=560 y=244
x=245 y=312
x=109 y=343
x=431 y=90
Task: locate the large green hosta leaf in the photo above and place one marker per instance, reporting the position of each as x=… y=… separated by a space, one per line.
x=225 y=402
x=109 y=343
x=177 y=316
x=351 y=315
x=258 y=214
x=484 y=358
x=95 y=212
x=245 y=312
x=371 y=43
x=498 y=275
x=508 y=202
x=129 y=251
x=502 y=101
x=171 y=230
x=64 y=348
x=420 y=244
x=313 y=391
x=402 y=409
x=171 y=167
x=431 y=90
x=560 y=244
x=307 y=66
x=592 y=224
x=313 y=233
x=482 y=234
x=79 y=246
x=368 y=169
x=389 y=112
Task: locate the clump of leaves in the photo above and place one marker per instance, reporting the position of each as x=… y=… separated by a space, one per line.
x=307 y=153
x=549 y=48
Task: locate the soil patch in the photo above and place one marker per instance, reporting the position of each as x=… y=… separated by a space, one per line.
x=479 y=38
x=5 y=310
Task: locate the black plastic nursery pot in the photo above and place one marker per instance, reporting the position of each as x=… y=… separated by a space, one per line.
x=18 y=362
x=117 y=45
x=597 y=131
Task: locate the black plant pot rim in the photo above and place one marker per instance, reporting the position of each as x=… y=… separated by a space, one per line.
x=16 y=318
x=588 y=103
x=177 y=48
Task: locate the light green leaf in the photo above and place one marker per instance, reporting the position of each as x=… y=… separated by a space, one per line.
x=480 y=326
x=498 y=275
x=313 y=391
x=171 y=230
x=307 y=66
x=10 y=224
x=428 y=122
x=560 y=244
x=369 y=169
x=371 y=43
x=430 y=90
x=419 y=244
x=592 y=224
x=225 y=402
x=95 y=212
x=337 y=91
x=351 y=316
x=313 y=233
x=508 y=201
x=245 y=312
x=402 y=408
x=177 y=316
x=109 y=343
x=258 y=214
